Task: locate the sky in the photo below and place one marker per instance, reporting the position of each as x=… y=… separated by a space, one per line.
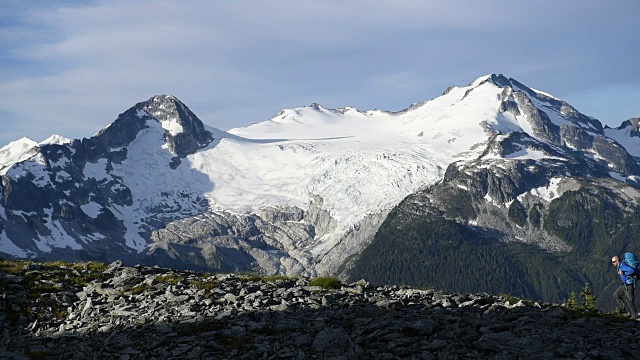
x=71 y=67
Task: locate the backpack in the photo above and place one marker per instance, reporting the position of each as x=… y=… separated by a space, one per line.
x=631 y=260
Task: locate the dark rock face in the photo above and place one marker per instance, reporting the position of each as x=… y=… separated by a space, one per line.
x=81 y=190
x=193 y=135
x=559 y=106
x=522 y=214
x=51 y=190
x=633 y=124
x=580 y=133
x=539 y=120
x=118 y=135
x=149 y=313
x=487 y=216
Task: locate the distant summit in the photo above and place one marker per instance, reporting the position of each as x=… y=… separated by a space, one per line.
x=313 y=189
x=185 y=132
x=24 y=148
x=55 y=140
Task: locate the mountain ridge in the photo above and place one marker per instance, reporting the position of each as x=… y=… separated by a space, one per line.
x=304 y=192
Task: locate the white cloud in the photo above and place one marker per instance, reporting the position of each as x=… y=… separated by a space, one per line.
x=73 y=68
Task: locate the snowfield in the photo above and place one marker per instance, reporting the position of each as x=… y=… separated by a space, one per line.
x=359 y=163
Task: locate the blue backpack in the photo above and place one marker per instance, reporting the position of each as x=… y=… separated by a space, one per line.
x=631 y=260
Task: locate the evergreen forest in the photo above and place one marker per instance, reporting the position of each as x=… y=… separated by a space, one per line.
x=434 y=252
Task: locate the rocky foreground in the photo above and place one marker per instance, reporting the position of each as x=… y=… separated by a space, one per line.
x=93 y=311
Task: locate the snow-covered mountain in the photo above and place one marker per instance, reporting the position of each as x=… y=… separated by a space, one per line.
x=24 y=148
x=303 y=192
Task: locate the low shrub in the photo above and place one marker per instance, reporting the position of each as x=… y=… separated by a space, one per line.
x=274 y=278
x=250 y=277
x=327 y=282
x=169 y=279
x=207 y=286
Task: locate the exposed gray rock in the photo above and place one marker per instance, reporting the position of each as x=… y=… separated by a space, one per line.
x=273 y=241
x=29 y=209
x=194 y=315
x=288 y=240
x=193 y=136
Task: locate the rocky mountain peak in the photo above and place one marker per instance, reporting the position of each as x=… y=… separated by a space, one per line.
x=633 y=124
x=185 y=132
x=500 y=80
x=278 y=197
x=164 y=108
x=55 y=139
x=16 y=151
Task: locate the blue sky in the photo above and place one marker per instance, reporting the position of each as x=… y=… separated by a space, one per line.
x=70 y=67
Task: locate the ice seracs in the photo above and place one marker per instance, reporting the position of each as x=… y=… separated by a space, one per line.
x=158 y=164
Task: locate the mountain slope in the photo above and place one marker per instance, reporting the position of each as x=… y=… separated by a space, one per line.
x=307 y=191
x=538 y=214
x=89 y=195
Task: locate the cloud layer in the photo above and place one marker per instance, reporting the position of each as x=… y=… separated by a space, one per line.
x=71 y=67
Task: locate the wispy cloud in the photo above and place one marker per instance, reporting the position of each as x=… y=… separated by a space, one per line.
x=72 y=66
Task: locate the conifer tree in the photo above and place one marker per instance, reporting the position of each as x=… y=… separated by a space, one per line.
x=589 y=298
x=572 y=303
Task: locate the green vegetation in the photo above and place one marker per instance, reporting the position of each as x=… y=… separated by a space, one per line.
x=13 y=266
x=57 y=271
x=91 y=266
x=427 y=251
x=251 y=277
x=585 y=305
x=274 y=278
x=589 y=303
x=39 y=280
x=326 y=282
x=37 y=289
x=206 y=286
x=535 y=217
x=443 y=254
x=572 y=303
x=136 y=290
x=169 y=279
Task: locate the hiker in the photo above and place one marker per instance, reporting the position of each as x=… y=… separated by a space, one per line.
x=628 y=287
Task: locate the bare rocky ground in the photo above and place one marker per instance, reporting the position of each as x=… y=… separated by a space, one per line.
x=96 y=311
